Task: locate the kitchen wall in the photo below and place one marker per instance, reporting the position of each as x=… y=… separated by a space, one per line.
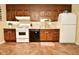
x=1 y=33
x=2 y=23
x=75 y=9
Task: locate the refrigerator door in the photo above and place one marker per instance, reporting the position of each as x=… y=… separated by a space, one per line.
x=67 y=18
x=67 y=34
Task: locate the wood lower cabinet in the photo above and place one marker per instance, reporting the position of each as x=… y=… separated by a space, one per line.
x=55 y=35
x=42 y=35
x=49 y=35
x=10 y=35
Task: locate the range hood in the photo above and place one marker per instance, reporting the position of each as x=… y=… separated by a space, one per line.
x=27 y=18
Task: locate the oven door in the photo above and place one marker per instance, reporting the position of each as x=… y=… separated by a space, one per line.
x=22 y=33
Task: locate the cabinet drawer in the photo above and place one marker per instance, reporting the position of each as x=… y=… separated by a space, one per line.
x=10 y=35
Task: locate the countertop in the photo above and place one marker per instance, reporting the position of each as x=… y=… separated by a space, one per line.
x=37 y=25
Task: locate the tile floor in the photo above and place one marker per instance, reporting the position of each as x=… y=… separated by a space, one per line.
x=38 y=48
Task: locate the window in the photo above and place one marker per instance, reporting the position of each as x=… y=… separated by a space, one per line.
x=0 y=13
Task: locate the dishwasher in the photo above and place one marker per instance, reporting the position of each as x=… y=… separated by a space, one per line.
x=34 y=35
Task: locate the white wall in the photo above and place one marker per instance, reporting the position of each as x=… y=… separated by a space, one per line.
x=3 y=7
x=75 y=9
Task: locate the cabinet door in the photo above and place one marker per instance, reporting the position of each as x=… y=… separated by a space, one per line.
x=52 y=35
x=42 y=35
x=6 y=35
x=55 y=35
x=9 y=15
x=10 y=35
x=34 y=15
x=49 y=35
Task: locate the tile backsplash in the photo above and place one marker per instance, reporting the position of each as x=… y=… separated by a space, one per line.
x=45 y=25
x=35 y=25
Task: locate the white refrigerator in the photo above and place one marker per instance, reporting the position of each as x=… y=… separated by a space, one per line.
x=67 y=22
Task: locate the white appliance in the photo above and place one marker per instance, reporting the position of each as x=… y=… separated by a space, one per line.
x=22 y=33
x=23 y=18
x=67 y=27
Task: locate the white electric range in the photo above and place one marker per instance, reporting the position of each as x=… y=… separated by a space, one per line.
x=22 y=33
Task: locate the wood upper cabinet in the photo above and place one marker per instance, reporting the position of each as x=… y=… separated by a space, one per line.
x=35 y=16
x=36 y=11
x=49 y=35
x=10 y=35
x=14 y=10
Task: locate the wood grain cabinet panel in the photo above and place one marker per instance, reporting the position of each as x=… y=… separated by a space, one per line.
x=42 y=35
x=10 y=35
x=49 y=35
x=55 y=35
x=36 y=11
x=35 y=15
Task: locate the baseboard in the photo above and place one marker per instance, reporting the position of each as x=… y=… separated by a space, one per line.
x=77 y=43
x=2 y=42
x=66 y=42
